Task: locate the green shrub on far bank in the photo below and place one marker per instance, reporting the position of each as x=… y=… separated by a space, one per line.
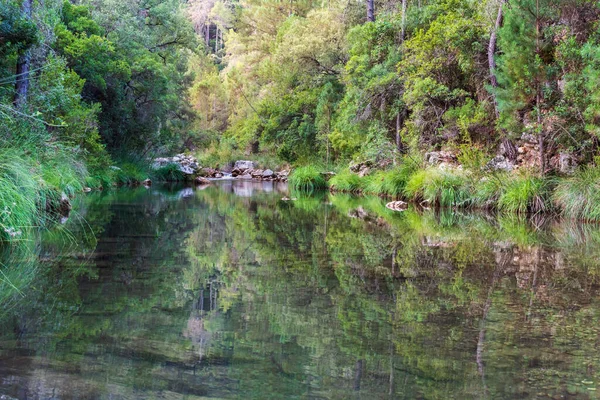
x=307 y=179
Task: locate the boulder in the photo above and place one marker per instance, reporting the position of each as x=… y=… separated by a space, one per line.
x=243 y=165
x=218 y=175
x=364 y=172
x=245 y=176
x=147 y=183
x=267 y=173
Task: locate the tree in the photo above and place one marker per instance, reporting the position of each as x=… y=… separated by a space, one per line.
x=525 y=68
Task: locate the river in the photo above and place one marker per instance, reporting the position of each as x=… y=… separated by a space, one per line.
x=234 y=291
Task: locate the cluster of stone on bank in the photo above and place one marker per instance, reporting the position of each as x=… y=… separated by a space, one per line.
x=242 y=169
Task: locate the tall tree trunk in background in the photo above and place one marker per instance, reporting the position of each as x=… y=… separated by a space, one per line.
x=403 y=27
x=370 y=11
x=207 y=35
x=23 y=65
x=217 y=40
x=398 y=128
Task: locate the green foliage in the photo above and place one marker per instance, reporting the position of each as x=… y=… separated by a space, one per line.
x=446 y=188
x=307 y=179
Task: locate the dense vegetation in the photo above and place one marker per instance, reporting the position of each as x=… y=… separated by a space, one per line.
x=90 y=90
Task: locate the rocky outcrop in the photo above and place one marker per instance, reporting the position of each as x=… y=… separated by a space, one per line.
x=245 y=170
x=397 y=205
x=440 y=157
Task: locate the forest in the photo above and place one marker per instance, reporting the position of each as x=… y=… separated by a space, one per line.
x=491 y=104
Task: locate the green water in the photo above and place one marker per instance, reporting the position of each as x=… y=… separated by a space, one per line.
x=233 y=293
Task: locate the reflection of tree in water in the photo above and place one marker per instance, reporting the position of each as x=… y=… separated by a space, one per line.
x=233 y=296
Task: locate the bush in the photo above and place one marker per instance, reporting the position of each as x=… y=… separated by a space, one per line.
x=579 y=195
x=307 y=179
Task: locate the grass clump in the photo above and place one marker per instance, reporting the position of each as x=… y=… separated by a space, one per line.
x=18 y=195
x=524 y=193
x=346 y=182
x=129 y=173
x=169 y=173
x=579 y=195
x=307 y=179
x=445 y=188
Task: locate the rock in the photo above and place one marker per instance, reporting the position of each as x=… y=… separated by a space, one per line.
x=64 y=205
x=359 y=166
x=186 y=170
x=500 y=163
x=257 y=173
x=397 y=205
x=87 y=190
x=147 y=183
x=218 y=175
x=267 y=173
x=529 y=138
x=439 y=157
x=200 y=180
x=364 y=172
x=207 y=172
x=245 y=176
x=243 y=165
x=567 y=163
x=283 y=173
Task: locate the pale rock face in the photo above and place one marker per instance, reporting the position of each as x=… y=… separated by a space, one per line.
x=243 y=165
x=500 y=163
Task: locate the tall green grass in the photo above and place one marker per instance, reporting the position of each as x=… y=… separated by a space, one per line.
x=307 y=179
x=19 y=190
x=346 y=182
x=579 y=195
x=523 y=193
x=169 y=173
x=444 y=188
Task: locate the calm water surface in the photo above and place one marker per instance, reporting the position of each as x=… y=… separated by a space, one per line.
x=231 y=292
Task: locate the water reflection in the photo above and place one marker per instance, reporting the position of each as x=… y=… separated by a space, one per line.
x=228 y=291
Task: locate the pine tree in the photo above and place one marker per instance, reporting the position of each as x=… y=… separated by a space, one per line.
x=524 y=68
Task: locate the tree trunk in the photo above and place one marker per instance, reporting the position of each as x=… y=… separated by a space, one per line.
x=403 y=27
x=207 y=35
x=398 y=125
x=23 y=66
x=492 y=48
x=217 y=40
x=538 y=94
x=370 y=11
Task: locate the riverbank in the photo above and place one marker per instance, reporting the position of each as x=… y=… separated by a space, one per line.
x=574 y=196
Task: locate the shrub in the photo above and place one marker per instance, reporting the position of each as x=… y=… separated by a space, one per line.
x=307 y=178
